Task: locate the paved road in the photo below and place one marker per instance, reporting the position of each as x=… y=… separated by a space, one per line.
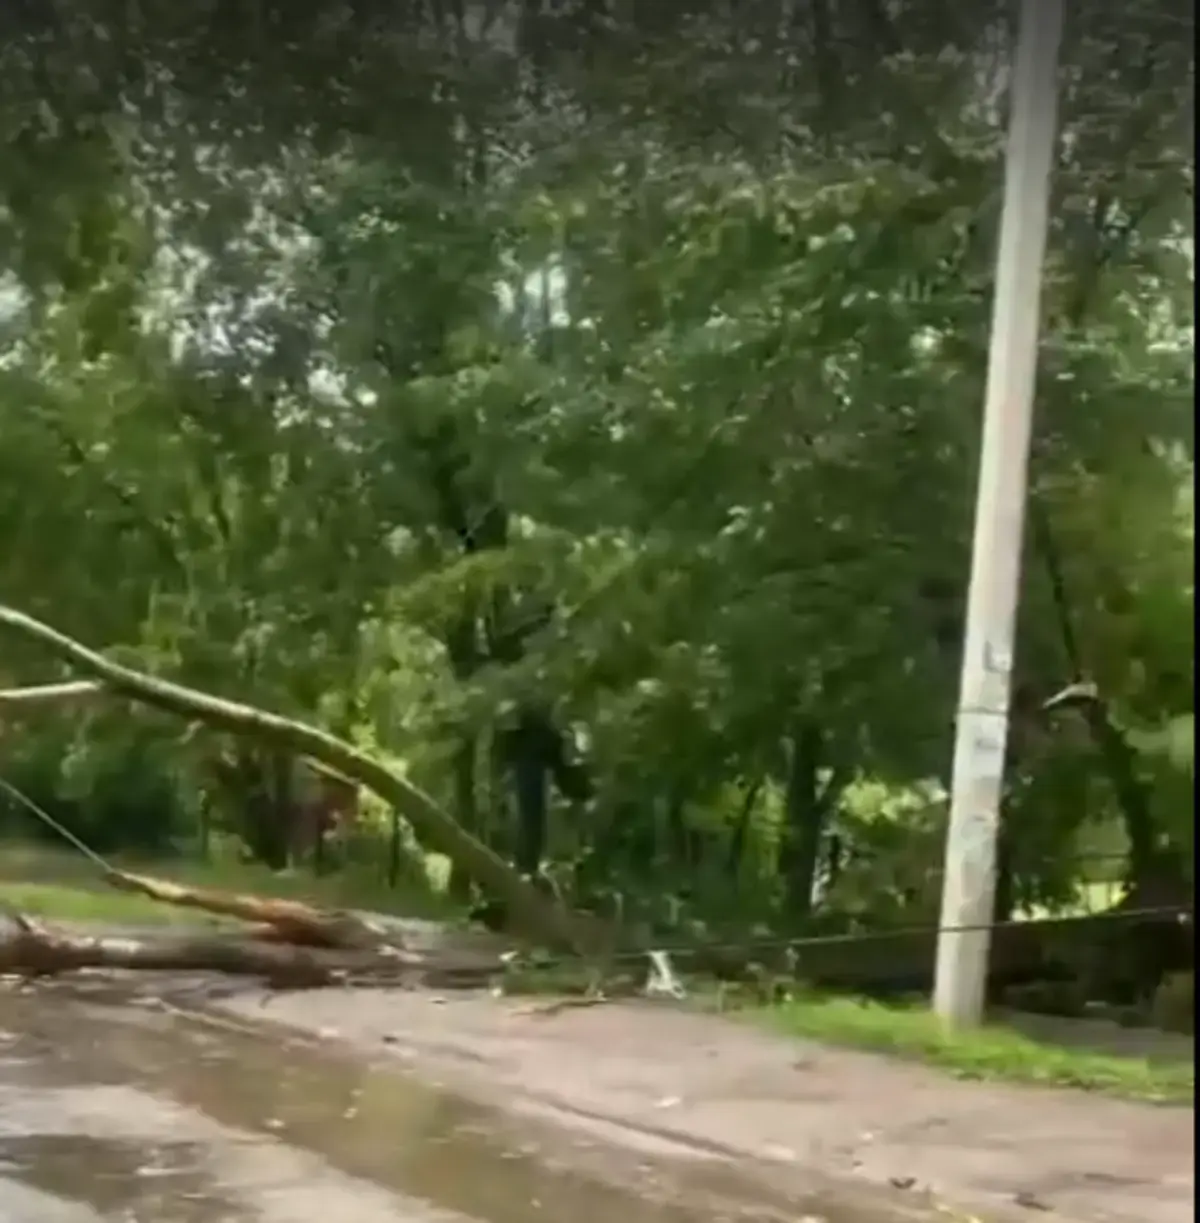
x=117 y=1112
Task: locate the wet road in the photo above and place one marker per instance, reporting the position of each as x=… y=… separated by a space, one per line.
x=111 y=1111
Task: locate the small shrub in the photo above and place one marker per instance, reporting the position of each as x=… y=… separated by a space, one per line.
x=1173 y=1008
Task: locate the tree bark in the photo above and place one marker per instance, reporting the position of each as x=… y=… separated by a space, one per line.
x=466 y=806
x=291 y=921
x=32 y=950
x=741 y=829
x=51 y=694
x=1130 y=789
x=806 y=815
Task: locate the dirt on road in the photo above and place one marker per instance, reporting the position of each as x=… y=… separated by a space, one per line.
x=646 y=1073
x=797 y=1130
x=118 y=1106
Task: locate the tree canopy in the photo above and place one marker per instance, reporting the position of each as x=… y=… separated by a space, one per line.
x=580 y=403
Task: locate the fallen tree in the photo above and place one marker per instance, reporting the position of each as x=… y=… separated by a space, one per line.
x=294 y=945
x=541 y=918
x=284 y=921
x=30 y=949
x=287 y=945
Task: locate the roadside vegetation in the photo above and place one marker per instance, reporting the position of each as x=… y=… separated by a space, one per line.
x=998 y=1051
x=602 y=467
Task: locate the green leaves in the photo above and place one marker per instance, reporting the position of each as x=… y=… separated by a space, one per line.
x=545 y=387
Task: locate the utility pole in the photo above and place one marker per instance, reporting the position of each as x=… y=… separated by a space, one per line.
x=969 y=884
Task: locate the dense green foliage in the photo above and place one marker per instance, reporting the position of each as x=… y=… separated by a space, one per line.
x=584 y=410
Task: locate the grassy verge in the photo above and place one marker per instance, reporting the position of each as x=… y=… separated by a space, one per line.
x=991 y=1053
x=64 y=886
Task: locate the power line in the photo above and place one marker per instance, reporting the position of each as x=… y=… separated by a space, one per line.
x=56 y=826
x=785 y=943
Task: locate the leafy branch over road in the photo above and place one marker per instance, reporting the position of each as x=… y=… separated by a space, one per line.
x=539 y=916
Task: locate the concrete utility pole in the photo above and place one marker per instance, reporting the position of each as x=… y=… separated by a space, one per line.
x=969 y=885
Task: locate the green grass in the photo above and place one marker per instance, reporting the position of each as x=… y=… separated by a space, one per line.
x=63 y=885
x=993 y=1052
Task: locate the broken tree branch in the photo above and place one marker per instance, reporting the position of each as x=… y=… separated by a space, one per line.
x=291 y=921
x=539 y=917
x=51 y=694
x=31 y=950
